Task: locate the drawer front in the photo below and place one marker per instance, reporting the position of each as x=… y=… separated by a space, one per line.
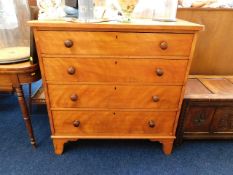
x=115 y=70
x=113 y=122
x=110 y=96
x=114 y=43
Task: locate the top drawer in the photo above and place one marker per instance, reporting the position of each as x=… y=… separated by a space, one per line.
x=115 y=43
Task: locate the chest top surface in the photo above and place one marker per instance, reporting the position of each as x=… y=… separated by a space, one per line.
x=136 y=26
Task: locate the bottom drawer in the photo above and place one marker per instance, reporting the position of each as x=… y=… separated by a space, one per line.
x=113 y=123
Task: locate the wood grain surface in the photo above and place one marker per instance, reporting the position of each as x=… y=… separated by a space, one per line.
x=195 y=87
x=115 y=70
x=209 y=87
x=114 y=96
x=107 y=123
x=180 y=26
x=218 y=86
x=101 y=80
x=122 y=44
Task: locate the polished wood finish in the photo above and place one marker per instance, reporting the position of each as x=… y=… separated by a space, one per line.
x=114 y=96
x=113 y=122
x=25 y=113
x=167 y=146
x=14 y=75
x=207 y=111
x=59 y=144
x=115 y=70
x=114 y=80
x=213 y=55
x=180 y=26
x=122 y=44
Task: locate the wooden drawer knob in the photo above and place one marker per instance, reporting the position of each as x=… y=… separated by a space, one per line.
x=151 y=124
x=164 y=45
x=71 y=70
x=76 y=123
x=155 y=98
x=74 y=97
x=68 y=43
x=159 y=72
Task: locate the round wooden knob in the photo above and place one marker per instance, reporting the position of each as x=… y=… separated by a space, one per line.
x=159 y=72
x=151 y=124
x=74 y=97
x=155 y=98
x=76 y=123
x=71 y=70
x=163 y=45
x=68 y=43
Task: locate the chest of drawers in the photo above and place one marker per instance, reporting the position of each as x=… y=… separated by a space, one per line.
x=113 y=80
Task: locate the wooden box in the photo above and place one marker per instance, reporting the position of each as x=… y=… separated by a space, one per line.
x=207 y=110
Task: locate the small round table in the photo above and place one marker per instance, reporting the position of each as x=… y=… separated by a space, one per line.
x=13 y=76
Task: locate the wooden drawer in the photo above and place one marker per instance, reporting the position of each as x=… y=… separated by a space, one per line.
x=113 y=122
x=110 y=96
x=114 y=43
x=115 y=70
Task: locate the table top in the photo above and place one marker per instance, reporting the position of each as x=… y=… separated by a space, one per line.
x=23 y=67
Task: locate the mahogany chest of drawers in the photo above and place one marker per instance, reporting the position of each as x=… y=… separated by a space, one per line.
x=113 y=80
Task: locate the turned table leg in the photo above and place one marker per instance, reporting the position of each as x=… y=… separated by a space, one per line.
x=26 y=117
x=30 y=98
